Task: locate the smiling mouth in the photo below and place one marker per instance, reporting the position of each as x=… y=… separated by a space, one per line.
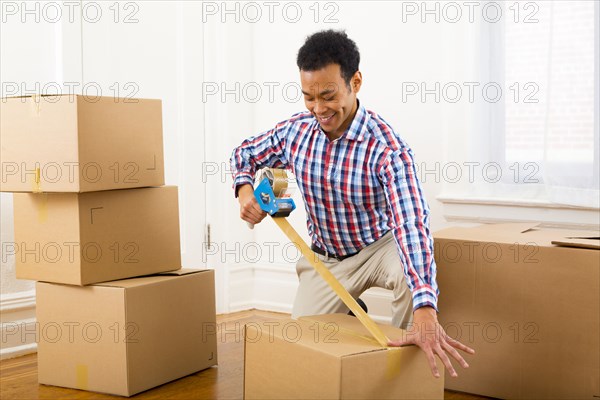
x=326 y=119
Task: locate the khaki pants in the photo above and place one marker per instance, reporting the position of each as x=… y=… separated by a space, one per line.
x=377 y=265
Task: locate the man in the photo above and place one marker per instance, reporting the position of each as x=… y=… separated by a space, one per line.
x=366 y=214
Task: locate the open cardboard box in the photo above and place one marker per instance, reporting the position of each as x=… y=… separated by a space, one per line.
x=80 y=143
x=126 y=336
x=528 y=301
x=83 y=238
x=332 y=357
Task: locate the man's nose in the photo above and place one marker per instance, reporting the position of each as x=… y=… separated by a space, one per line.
x=319 y=107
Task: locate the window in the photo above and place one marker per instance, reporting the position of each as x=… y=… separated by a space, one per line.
x=544 y=130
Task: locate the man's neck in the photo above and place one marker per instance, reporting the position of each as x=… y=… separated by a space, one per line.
x=340 y=132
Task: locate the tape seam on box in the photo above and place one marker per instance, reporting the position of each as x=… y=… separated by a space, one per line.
x=82 y=376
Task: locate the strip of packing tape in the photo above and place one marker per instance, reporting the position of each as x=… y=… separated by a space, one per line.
x=36 y=186
x=337 y=287
x=41 y=199
x=42 y=207
x=36 y=103
x=394 y=361
x=82 y=376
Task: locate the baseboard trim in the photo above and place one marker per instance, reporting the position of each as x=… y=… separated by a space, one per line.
x=17 y=317
x=241 y=306
x=273 y=306
x=18 y=351
x=17 y=301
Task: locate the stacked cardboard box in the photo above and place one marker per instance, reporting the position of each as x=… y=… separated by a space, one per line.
x=91 y=209
x=528 y=301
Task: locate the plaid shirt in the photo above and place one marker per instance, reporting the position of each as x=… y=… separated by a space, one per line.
x=355 y=189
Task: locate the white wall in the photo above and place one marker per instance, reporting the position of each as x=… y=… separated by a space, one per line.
x=158 y=53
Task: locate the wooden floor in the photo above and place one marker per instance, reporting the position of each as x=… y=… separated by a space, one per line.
x=18 y=376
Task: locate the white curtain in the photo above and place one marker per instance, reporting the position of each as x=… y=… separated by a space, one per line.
x=539 y=142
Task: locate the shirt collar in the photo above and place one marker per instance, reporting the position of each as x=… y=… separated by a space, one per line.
x=358 y=127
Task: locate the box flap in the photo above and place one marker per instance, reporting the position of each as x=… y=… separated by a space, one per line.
x=352 y=326
x=37 y=95
x=65 y=95
x=485 y=231
x=183 y=271
x=511 y=227
x=583 y=242
x=150 y=279
x=521 y=233
x=339 y=335
x=327 y=337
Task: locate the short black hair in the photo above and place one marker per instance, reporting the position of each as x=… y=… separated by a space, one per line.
x=329 y=47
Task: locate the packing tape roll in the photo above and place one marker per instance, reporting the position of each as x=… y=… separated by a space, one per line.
x=337 y=287
x=82 y=376
x=277 y=178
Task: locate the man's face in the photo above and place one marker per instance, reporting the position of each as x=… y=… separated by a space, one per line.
x=329 y=99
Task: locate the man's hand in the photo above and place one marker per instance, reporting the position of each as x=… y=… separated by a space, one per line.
x=250 y=211
x=427 y=333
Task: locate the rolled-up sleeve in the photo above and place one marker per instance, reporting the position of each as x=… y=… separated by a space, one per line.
x=409 y=215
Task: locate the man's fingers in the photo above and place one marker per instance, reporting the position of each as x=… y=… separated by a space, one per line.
x=432 y=363
x=251 y=212
x=253 y=219
x=256 y=215
x=406 y=339
x=257 y=208
x=455 y=354
x=249 y=217
x=252 y=207
x=456 y=344
x=444 y=357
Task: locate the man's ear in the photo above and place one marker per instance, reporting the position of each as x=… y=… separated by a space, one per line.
x=356 y=81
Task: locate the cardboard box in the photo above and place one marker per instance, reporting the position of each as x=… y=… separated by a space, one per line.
x=80 y=143
x=83 y=238
x=332 y=357
x=126 y=336
x=529 y=308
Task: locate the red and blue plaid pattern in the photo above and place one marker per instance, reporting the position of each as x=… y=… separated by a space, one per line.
x=355 y=189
